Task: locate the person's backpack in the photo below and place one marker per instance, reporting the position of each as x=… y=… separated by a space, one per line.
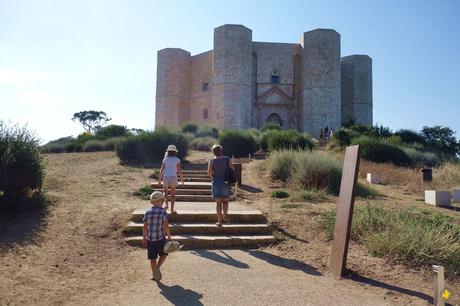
x=230 y=176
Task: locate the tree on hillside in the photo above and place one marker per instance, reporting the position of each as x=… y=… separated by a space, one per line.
x=441 y=138
x=91 y=120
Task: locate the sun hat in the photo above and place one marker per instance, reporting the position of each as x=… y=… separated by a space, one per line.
x=172 y=246
x=172 y=148
x=156 y=195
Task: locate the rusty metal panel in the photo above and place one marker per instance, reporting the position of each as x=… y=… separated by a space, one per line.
x=344 y=214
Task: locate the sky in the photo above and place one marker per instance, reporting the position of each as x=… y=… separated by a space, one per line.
x=61 y=57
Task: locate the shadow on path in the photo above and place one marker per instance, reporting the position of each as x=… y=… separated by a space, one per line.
x=285 y=263
x=224 y=258
x=178 y=295
x=250 y=188
x=21 y=225
x=362 y=279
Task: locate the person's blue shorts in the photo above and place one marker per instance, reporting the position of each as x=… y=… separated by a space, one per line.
x=220 y=189
x=155 y=248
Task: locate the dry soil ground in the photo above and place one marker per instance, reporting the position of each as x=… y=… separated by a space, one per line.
x=73 y=253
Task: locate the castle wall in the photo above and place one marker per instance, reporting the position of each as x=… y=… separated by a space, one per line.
x=321 y=104
x=173 y=87
x=200 y=100
x=232 y=77
x=356 y=89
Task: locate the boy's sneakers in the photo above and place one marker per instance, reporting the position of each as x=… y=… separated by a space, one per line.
x=157 y=274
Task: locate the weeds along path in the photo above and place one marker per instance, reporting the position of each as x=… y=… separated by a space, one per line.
x=79 y=244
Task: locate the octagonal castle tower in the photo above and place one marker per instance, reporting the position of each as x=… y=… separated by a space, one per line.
x=242 y=84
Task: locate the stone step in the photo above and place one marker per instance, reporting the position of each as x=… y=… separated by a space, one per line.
x=209 y=242
x=205 y=171
x=197 y=179
x=205 y=215
x=189 y=191
x=188 y=185
x=195 y=167
x=135 y=229
x=194 y=198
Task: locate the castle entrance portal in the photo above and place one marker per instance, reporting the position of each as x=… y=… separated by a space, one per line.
x=275 y=118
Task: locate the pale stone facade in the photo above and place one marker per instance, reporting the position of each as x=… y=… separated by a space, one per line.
x=243 y=84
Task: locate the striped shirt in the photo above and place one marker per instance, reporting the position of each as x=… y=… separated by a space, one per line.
x=155 y=217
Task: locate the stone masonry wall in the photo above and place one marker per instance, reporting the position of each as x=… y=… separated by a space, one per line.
x=356 y=89
x=321 y=104
x=200 y=101
x=173 y=87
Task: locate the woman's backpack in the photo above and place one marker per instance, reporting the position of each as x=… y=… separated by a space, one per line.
x=230 y=176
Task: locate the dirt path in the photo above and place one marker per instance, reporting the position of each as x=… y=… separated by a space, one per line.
x=75 y=254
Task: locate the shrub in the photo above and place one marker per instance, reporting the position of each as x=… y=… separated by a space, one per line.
x=306 y=169
x=150 y=147
x=271 y=126
x=343 y=137
x=112 y=131
x=272 y=140
x=207 y=131
x=424 y=159
x=409 y=136
x=202 y=143
x=100 y=145
x=280 y=194
x=21 y=164
x=237 y=143
x=378 y=151
x=189 y=128
x=53 y=148
x=408 y=236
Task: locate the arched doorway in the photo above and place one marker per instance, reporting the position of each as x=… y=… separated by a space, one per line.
x=275 y=118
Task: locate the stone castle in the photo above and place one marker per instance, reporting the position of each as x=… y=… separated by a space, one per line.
x=242 y=83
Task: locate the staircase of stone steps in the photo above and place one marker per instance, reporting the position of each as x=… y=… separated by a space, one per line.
x=194 y=224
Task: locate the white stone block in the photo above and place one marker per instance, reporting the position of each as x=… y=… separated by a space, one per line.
x=456 y=195
x=373 y=178
x=438 y=198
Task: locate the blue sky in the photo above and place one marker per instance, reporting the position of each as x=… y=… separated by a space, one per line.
x=61 y=57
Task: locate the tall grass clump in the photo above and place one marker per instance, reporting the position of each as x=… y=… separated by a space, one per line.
x=379 y=151
x=237 y=143
x=272 y=140
x=21 y=164
x=202 y=143
x=306 y=169
x=149 y=147
x=407 y=236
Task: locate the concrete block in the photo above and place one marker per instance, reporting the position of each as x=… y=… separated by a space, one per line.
x=373 y=178
x=438 y=198
x=456 y=195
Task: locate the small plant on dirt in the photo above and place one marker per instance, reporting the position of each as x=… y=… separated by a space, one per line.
x=155 y=174
x=308 y=196
x=144 y=192
x=290 y=205
x=280 y=194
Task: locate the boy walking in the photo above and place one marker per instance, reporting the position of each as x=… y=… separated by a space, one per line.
x=153 y=235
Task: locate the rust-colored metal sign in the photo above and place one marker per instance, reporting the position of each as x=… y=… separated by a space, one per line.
x=344 y=214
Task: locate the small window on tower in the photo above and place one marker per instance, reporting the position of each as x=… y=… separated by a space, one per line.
x=205 y=86
x=205 y=114
x=275 y=78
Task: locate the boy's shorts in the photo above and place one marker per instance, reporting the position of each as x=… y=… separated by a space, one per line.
x=155 y=248
x=169 y=181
